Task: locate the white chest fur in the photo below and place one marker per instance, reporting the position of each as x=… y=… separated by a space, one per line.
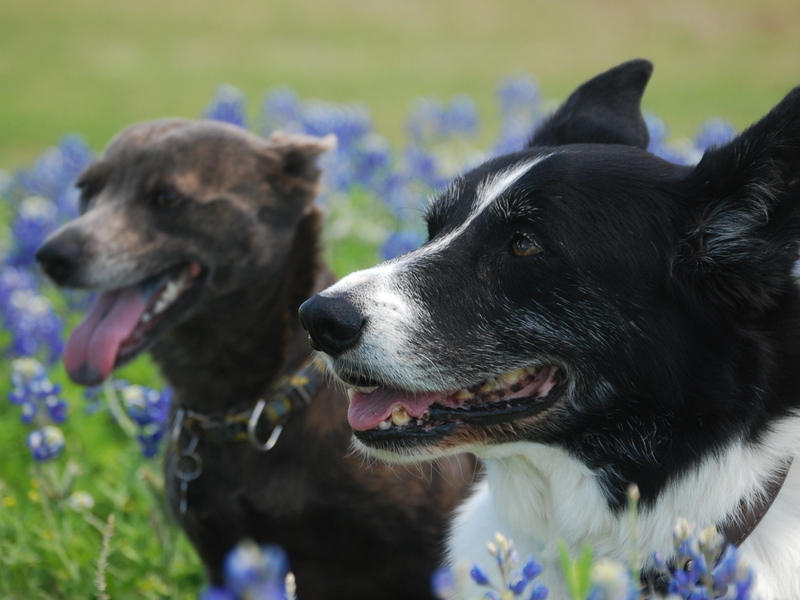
x=539 y=496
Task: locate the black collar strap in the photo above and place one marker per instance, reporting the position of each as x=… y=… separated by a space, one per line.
x=262 y=424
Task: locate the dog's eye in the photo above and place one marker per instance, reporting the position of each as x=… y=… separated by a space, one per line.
x=85 y=197
x=523 y=245
x=166 y=198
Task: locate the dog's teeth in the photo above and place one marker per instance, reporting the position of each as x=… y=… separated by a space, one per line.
x=512 y=376
x=399 y=416
x=160 y=306
x=350 y=393
x=146 y=317
x=490 y=386
x=463 y=395
x=384 y=424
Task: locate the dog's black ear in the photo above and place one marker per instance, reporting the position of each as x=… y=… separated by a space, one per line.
x=604 y=110
x=742 y=237
x=292 y=158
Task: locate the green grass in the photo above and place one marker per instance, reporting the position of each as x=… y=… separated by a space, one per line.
x=95 y=66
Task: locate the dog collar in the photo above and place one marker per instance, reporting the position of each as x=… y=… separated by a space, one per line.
x=264 y=421
x=262 y=424
x=741 y=525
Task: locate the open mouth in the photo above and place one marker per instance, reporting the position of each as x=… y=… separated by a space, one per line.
x=121 y=323
x=380 y=412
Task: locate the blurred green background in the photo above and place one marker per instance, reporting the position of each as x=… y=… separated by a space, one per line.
x=94 y=66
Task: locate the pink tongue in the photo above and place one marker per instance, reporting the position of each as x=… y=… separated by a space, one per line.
x=368 y=410
x=93 y=346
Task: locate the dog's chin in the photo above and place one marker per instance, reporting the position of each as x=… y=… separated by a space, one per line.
x=404 y=426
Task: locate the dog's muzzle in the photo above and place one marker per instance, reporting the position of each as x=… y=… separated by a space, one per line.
x=333 y=323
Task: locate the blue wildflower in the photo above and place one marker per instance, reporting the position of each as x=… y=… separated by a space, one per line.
x=53 y=175
x=520 y=110
x=706 y=567
x=35 y=327
x=37 y=397
x=479 y=576
x=228 y=106
x=514 y=583
x=714 y=132
x=36 y=217
x=401 y=242
x=280 y=111
x=539 y=592
x=213 y=592
x=462 y=116
x=257 y=571
x=531 y=569
x=443 y=583
x=149 y=410
x=46 y=443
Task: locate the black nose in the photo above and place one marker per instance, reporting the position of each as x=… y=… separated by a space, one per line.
x=333 y=323
x=60 y=256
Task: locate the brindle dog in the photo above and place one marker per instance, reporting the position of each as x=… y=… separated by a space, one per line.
x=202 y=241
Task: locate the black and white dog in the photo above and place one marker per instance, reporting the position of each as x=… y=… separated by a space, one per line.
x=584 y=316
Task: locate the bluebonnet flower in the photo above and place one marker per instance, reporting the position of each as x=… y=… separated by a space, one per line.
x=46 y=443
x=422 y=165
x=36 y=217
x=462 y=116
x=612 y=581
x=519 y=94
x=401 y=242
x=35 y=327
x=280 y=111
x=658 y=143
x=253 y=572
x=707 y=567
x=38 y=398
x=520 y=110
x=149 y=410
x=371 y=160
x=228 y=106
x=714 y=132
x=515 y=583
x=46 y=197
x=426 y=121
x=431 y=121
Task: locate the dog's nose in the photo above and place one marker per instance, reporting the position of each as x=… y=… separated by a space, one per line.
x=59 y=256
x=333 y=323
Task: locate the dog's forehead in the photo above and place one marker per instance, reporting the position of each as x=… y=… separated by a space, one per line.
x=190 y=155
x=472 y=194
x=572 y=177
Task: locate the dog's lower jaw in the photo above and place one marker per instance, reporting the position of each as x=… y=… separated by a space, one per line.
x=540 y=495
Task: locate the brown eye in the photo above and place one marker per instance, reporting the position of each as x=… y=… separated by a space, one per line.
x=522 y=245
x=166 y=199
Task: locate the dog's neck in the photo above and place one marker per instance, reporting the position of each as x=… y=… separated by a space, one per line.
x=541 y=496
x=228 y=357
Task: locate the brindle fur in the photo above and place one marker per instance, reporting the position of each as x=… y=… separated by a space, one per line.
x=351 y=529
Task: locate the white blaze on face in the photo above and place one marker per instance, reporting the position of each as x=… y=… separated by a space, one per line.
x=394 y=314
x=489 y=190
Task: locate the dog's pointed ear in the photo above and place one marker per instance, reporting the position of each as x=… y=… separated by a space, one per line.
x=604 y=110
x=741 y=241
x=292 y=159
